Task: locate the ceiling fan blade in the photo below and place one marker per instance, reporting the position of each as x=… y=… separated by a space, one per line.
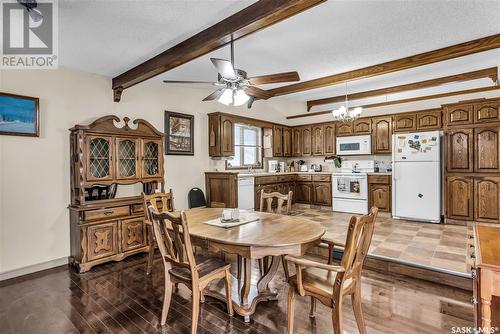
x=215 y=95
x=189 y=82
x=275 y=78
x=257 y=92
x=225 y=68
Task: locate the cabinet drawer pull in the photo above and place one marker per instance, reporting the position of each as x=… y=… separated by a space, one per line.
x=473 y=301
x=108 y=213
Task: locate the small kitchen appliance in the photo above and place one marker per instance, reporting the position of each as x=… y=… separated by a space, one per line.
x=354 y=145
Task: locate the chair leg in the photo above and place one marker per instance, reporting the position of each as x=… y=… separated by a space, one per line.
x=151 y=251
x=196 y=309
x=313 y=307
x=285 y=267
x=167 y=297
x=229 y=295
x=239 y=261
x=291 y=310
x=358 y=309
x=330 y=253
x=337 y=317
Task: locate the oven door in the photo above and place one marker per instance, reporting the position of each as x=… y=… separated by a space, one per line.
x=350 y=186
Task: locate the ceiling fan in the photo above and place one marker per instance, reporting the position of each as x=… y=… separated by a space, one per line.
x=235 y=87
x=30 y=6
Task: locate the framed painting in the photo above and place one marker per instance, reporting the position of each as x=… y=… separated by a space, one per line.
x=179 y=133
x=19 y=115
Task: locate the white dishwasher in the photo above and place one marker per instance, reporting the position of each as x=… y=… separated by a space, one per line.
x=246 y=192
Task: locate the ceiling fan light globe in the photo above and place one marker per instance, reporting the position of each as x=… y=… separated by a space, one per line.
x=240 y=97
x=227 y=97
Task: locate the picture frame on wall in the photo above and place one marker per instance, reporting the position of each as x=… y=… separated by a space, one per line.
x=179 y=133
x=19 y=115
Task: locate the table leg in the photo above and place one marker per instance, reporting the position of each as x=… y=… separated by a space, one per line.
x=247 y=280
x=263 y=283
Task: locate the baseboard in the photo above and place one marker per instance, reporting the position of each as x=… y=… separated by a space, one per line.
x=5 y=275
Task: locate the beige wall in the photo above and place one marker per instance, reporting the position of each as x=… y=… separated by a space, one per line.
x=34 y=172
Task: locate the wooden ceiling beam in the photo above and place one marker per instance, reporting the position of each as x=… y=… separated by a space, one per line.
x=259 y=15
x=412 y=99
x=426 y=58
x=491 y=73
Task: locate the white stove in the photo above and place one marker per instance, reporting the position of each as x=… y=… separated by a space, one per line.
x=350 y=186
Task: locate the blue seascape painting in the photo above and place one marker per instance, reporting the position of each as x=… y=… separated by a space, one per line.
x=18 y=115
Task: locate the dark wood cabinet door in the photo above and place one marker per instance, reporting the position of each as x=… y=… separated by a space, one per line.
x=329 y=134
x=458 y=114
x=214 y=148
x=487 y=199
x=344 y=128
x=297 y=142
x=317 y=139
x=362 y=126
x=306 y=141
x=322 y=193
x=380 y=196
x=287 y=142
x=133 y=234
x=277 y=141
x=429 y=120
x=487 y=112
x=227 y=137
x=303 y=192
x=99 y=158
x=127 y=158
x=382 y=134
x=459 y=151
x=405 y=122
x=459 y=197
x=487 y=149
x=102 y=241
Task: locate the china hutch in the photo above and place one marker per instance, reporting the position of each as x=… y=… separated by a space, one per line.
x=106 y=226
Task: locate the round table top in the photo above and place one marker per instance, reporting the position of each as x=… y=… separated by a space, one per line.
x=272 y=230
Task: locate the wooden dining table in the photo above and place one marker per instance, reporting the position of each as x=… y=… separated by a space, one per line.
x=271 y=236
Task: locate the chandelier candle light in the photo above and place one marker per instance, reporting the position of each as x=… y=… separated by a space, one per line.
x=344 y=114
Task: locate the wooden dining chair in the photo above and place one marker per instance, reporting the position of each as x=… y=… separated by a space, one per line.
x=182 y=266
x=167 y=204
x=330 y=283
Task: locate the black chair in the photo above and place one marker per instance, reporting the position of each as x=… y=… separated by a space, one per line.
x=196 y=198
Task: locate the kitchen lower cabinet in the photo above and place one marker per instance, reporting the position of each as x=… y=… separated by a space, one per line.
x=486 y=199
x=303 y=192
x=459 y=196
x=322 y=193
x=380 y=192
x=221 y=187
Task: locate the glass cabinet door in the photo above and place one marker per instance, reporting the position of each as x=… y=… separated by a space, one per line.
x=151 y=155
x=100 y=158
x=127 y=158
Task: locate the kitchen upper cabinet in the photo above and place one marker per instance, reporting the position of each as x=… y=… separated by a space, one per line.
x=317 y=139
x=362 y=126
x=220 y=136
x=287 y=142
x=297 y=142
x=344 y=128
x=487 y=112
x=458 y=114
x=405 y=122
x=306 y=140
x=303 y=192
x=487 y=149
x=277 y=141
x=486 y=198
x=379 y=195
x=322 y=193
x=381 y=134
x=429 y=120
x=460 y=155
x=459 y=197
x=329 y=134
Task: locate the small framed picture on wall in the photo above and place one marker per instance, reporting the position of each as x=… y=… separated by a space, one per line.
x=19 y=115
x=179 y=133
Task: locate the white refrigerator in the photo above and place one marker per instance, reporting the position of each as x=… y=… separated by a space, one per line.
x=416 y=176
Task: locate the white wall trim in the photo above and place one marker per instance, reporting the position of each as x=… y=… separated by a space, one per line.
x=4 y=275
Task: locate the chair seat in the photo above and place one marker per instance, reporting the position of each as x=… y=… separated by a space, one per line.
x=205 y=264
x=319 y=281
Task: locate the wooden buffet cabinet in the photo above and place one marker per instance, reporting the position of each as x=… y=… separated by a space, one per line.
x=103 y=156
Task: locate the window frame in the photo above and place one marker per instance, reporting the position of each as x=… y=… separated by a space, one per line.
x=258 y=148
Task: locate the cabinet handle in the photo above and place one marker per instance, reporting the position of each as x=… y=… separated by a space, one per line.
x=107 y=213
x=473 y=300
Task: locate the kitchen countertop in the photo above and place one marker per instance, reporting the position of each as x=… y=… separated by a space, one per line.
x=285 y=173
x=380 y=173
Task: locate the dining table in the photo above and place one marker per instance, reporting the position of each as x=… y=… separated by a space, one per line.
x=270 y=237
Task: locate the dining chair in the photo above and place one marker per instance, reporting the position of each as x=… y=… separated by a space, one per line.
x=182 y=266
x=330 y=283
x=196 y=198
x=167 y=204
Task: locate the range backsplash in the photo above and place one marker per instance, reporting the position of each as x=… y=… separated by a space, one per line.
x=382 y=161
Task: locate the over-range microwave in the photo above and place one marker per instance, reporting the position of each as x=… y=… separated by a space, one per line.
x=354 y=145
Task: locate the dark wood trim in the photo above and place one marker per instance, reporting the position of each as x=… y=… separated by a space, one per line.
x=491 y=72
x=255 y=17
x=413 y=99
x=167 y=133
x=426 y=58
x=37 y=116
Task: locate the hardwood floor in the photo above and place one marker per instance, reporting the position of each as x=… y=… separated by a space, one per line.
x=121 y=298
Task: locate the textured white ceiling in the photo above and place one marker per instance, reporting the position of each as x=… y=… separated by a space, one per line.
x=109 y=37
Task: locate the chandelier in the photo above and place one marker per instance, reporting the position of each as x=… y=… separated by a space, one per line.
x=233 y=96
x=344 y=114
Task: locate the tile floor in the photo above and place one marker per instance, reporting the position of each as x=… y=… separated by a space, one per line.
x=433 y=245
